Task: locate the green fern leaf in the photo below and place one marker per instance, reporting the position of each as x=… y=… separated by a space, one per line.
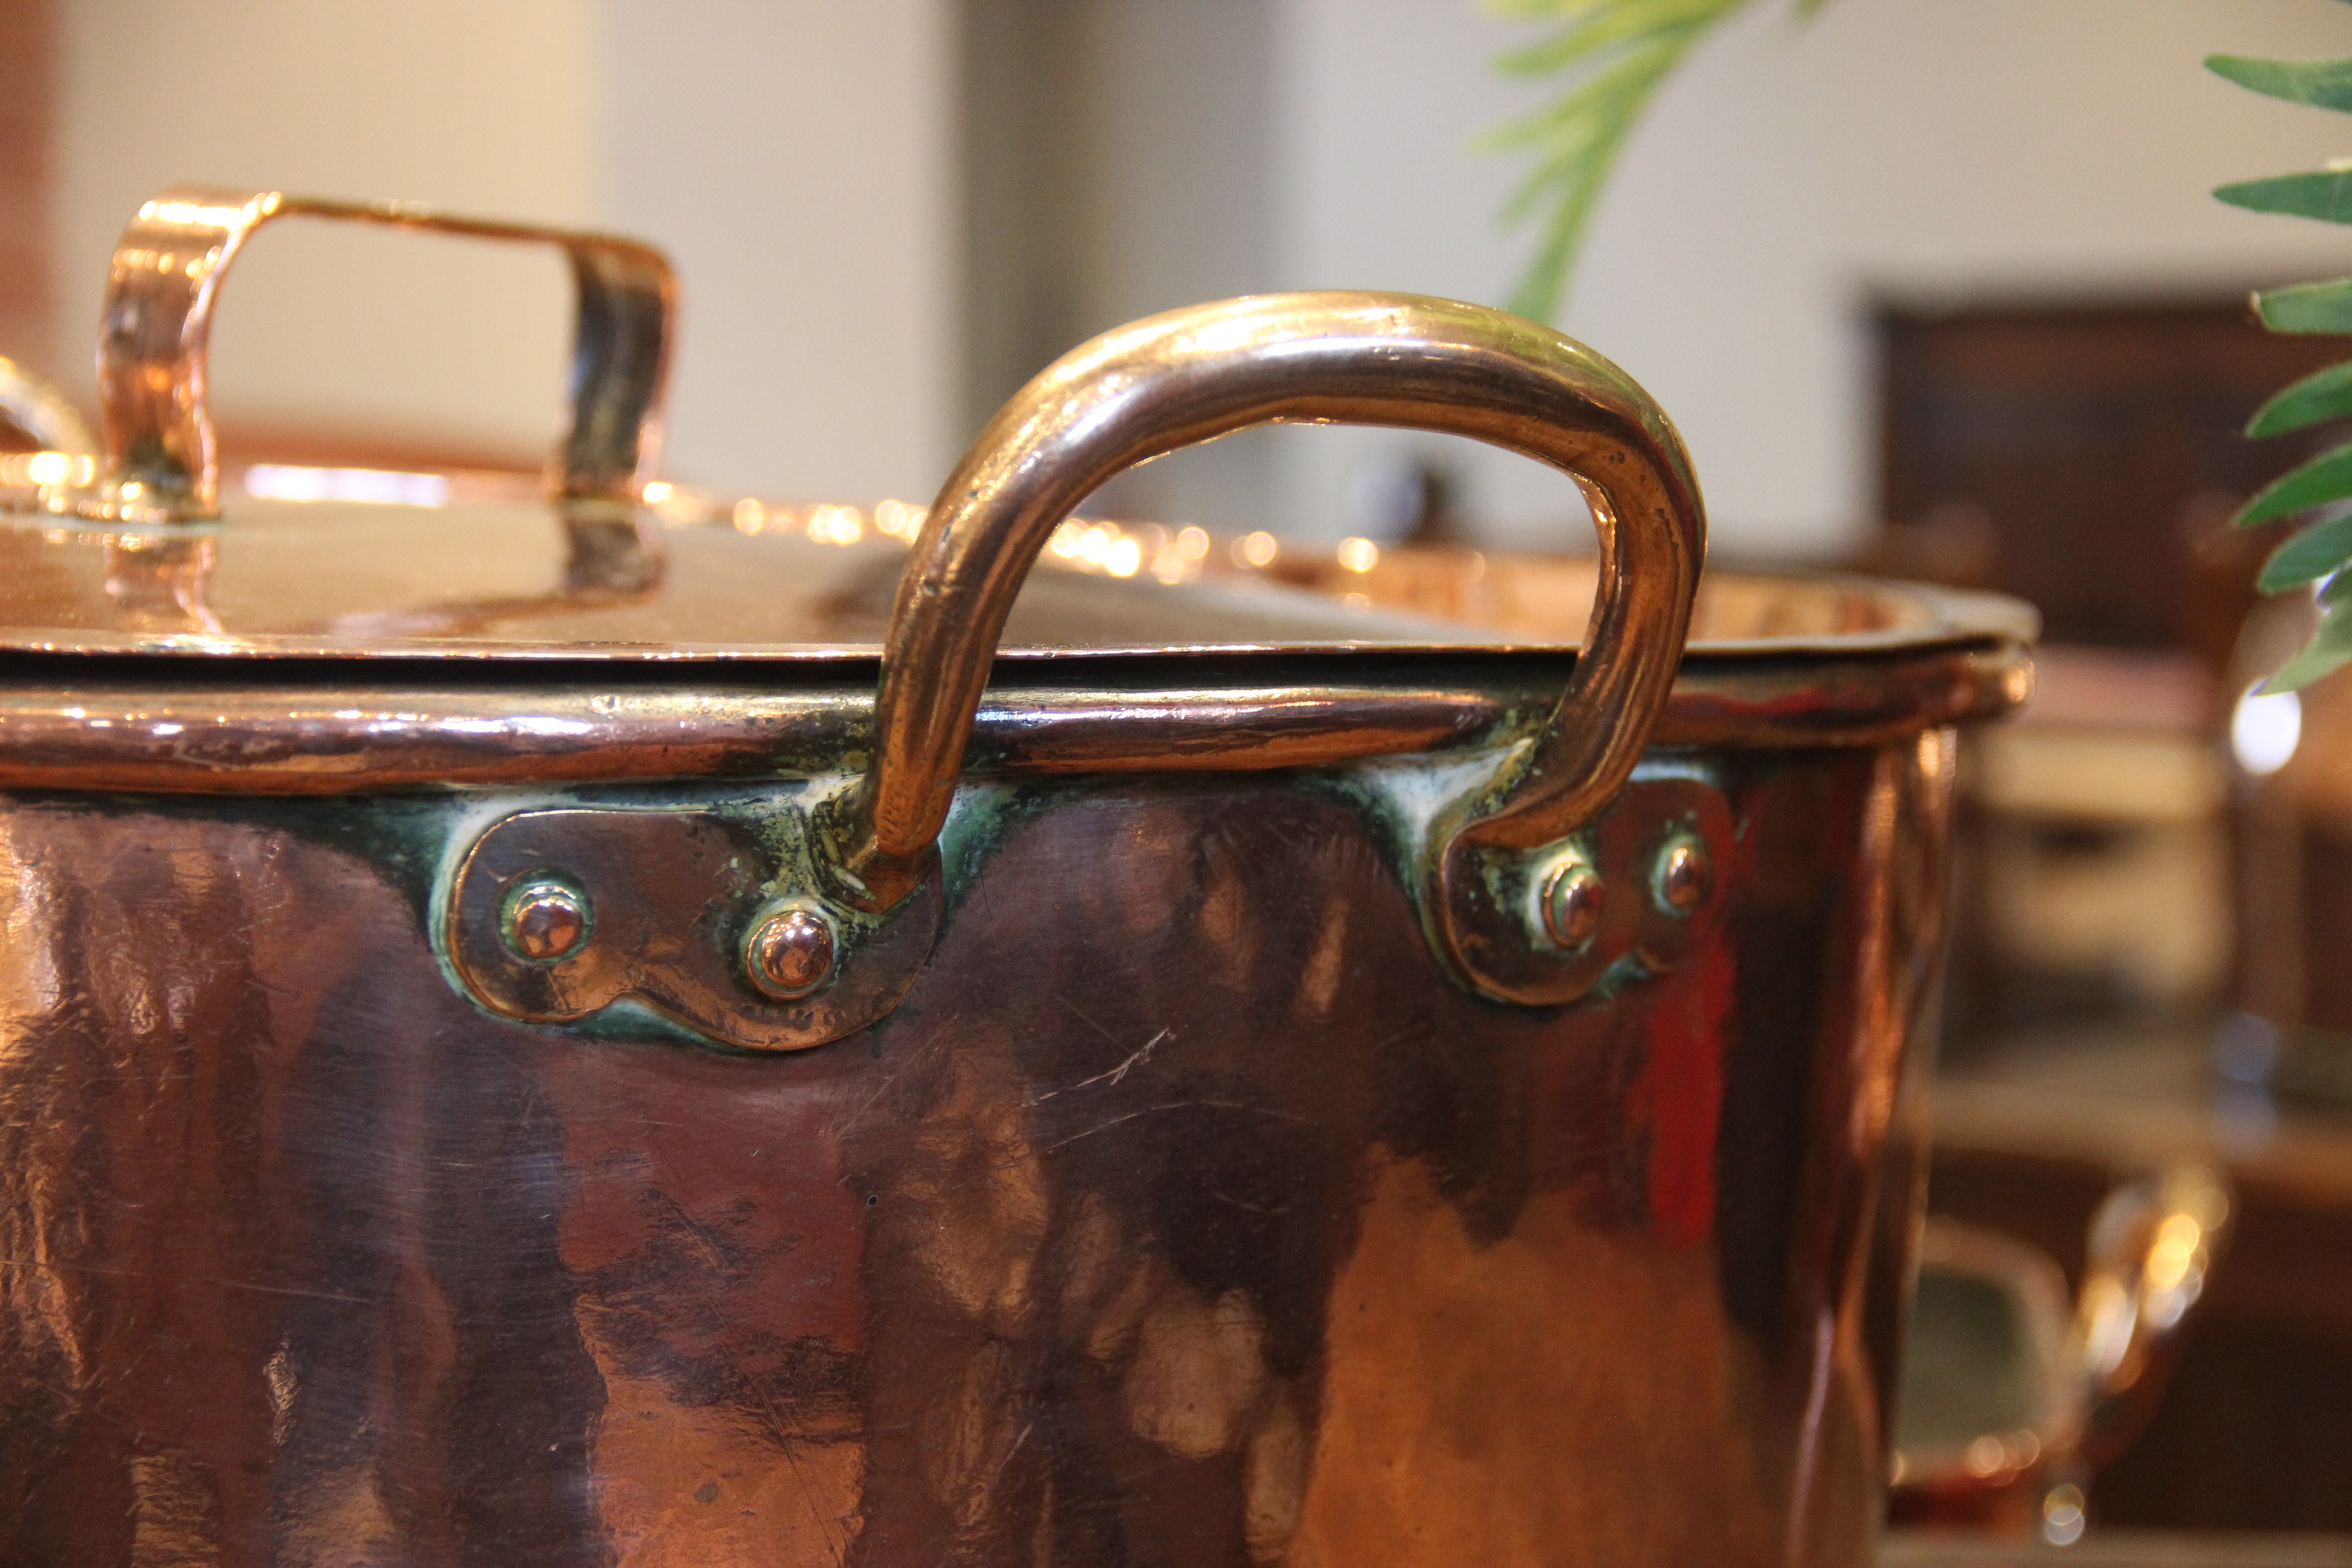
x=2322 y=553
x=2325 y=307
x=2322 y=193
x=2326 y=478
x=2329 y=649
x=2322 y=396
x=2317 y=552
x=2323 y=84
x=1604 y=27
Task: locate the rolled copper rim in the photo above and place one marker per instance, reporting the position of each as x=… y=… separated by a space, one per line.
x=288 y=727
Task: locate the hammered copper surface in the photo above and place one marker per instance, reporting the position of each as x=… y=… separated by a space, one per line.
x=1184 y=1213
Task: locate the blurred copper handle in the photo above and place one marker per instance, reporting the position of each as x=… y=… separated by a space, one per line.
x=1172 y=380
x=2153 y=1244
x=2094 y=1372
x=159 y=461
x=40 y=413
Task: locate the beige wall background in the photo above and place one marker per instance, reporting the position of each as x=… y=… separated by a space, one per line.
x=320 y=324
x=796 y=158
x=1958 y=148
x=805 y=163
x=1115 y=161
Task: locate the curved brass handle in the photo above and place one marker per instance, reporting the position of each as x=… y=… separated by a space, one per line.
x=159 y=464
x=1171 y=381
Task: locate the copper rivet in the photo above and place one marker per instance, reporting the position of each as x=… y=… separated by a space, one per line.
x=1682 y=875
x=547 y=921
x=791 y=952
x=1572 y=902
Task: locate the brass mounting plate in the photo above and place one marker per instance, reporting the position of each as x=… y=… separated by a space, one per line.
x=674 y=895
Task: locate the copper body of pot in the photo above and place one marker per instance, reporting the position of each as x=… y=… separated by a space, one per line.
x=512 y=1055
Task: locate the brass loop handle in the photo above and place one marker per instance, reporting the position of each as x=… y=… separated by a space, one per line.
x=1171 y=381
x=159 y=463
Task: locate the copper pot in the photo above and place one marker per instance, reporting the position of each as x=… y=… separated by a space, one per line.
x=514 y=1055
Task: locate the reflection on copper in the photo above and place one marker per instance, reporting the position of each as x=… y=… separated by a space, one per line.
x=44 y=470
x=614 y=555
x=160 y=583
x=291 y=738
x=370 y=486
x=40 y=416
x=61 y=459
x=827 y=523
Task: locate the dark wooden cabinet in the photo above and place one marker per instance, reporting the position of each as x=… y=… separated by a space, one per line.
x=2087 y=456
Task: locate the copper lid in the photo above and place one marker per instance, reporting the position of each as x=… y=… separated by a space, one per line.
x=160 y=628
x=687 y=580
x=142 y=549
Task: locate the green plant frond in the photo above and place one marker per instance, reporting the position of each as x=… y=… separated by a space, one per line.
x=1549 y=189
x=1577 y=142
x=2322 y=553
x=1574 y=187
x=2323 y=84
x=2329 y=649
x=2323 y=193
x=1596 y=32
x=1601 y=100
x=1540 y=10
x=1538 y=296
x=2317 y=552
x=1613 y=56
x=2322 y=396
x=2324 y=306
x=2326 y=478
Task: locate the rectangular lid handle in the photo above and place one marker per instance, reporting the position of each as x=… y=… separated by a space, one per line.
x=159 y=461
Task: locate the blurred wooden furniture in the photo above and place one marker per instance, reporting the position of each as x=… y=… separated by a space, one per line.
x=2119 y=1549
x=2086 y=458
x=2094 y=849
x=27 y=92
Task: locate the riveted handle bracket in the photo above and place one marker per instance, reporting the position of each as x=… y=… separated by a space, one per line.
x=715 y=918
